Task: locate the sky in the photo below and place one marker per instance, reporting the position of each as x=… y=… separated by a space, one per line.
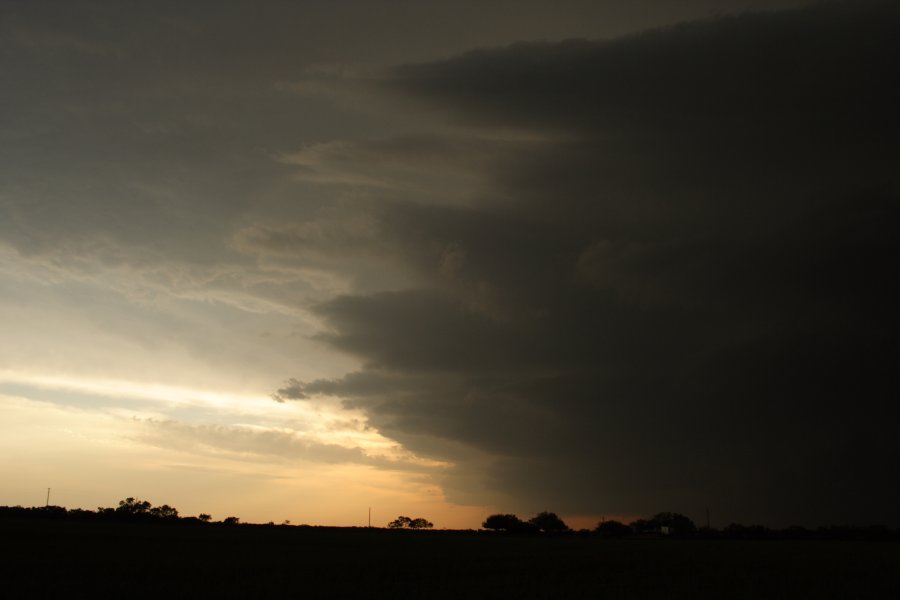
x=296 y=260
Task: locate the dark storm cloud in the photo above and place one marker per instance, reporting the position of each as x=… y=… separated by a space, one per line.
x=690 y=300
x=800 y=67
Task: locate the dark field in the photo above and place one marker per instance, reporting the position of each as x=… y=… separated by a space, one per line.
x=45 y=558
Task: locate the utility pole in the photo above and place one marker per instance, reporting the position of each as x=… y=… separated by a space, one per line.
x=48 y=497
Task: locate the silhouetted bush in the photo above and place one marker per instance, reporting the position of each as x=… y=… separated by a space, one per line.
x=402 y=522
x=503 y=523
x=133 y=508
x=548 y=522
x=665 y=523
x=163 y=512
x=510 y=523
x=613 y=529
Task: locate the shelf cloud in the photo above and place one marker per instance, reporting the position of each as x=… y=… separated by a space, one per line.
x=683 y=295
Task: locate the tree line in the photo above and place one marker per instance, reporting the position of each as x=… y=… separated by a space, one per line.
x=546 y=522
x=129 y=509
x=664 y=524
x=402 y=522
x=675 y=525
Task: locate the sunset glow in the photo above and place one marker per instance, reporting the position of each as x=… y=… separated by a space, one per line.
x=300 y=260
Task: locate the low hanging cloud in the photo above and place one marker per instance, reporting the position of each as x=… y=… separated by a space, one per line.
x=413 y=163
x=264 y=444
x=244 y=442
x=687 y=296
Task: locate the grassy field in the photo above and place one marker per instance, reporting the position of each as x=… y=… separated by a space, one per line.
x=79 y=559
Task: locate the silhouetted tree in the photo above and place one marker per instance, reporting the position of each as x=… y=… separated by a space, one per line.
x=204 y=517
x=131 y=507
x=420 y=523
x=613 y=529
x=674 y=524
x=642 y=526
x=548 y=522
x=402 y=522
x=505 y=523
x=232 y=521
x=164 y=512
x=666 y=523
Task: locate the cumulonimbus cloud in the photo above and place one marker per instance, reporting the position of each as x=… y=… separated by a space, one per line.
x=690 y=299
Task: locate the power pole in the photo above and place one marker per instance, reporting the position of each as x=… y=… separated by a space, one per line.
x=48 y=497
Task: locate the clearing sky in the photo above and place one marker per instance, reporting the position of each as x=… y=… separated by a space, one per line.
x=290 y=260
